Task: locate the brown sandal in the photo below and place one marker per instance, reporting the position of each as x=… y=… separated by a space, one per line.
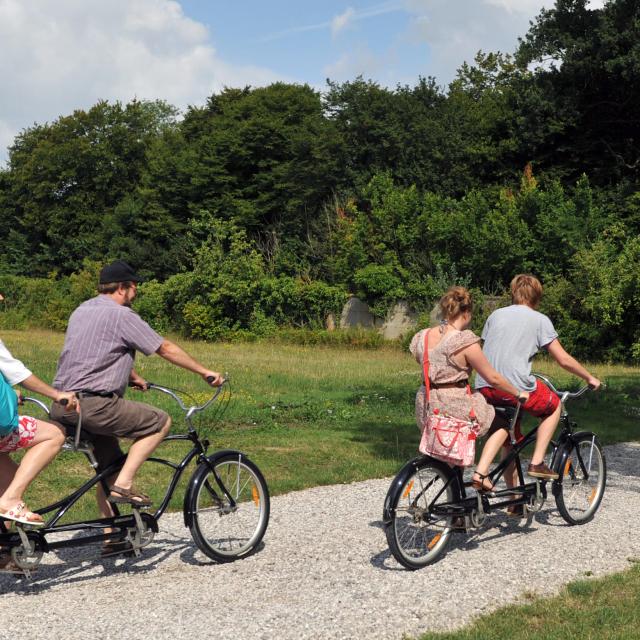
x=516 y=511
x=128 y=496
x=116 y=548
x=479 y=485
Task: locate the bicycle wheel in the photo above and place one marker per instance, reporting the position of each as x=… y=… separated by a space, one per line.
x=222 y=531
x=419 y=527
x=582 y=480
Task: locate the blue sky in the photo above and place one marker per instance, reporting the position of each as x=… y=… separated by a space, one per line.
x=57 y=56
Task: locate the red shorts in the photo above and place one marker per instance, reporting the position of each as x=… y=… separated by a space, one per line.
x=21 y=437
x=542 y=402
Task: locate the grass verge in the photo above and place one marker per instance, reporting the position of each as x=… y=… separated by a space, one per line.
x=308 y=415
x=607 y=609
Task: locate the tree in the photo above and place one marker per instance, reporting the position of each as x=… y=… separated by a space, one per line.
x=66 y=179
x=582 y=112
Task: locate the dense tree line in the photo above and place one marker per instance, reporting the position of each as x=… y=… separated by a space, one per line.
x=265 y=206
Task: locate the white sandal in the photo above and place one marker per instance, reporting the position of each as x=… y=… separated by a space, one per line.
x=21 y=514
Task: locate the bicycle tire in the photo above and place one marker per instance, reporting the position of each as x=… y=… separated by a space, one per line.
x=416 y=535
x=221 y=532
x=579 y=497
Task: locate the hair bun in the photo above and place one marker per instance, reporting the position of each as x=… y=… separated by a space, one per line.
x=455 y=301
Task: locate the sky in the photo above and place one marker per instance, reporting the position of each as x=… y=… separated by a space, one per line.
x=61 y=55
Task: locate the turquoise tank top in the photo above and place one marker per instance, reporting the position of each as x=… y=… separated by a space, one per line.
x=8 y=408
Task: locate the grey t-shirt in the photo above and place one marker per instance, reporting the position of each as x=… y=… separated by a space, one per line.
x=512 y=336
x=100 y=346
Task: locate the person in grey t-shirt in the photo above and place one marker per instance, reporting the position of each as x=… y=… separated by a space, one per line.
x=97 y=359
x=512 y=337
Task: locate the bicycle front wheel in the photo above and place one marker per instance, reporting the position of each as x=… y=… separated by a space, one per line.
x=420 y=524
x=582 y=480
x=222 y=529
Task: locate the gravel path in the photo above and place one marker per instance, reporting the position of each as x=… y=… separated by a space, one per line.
x=325 y=572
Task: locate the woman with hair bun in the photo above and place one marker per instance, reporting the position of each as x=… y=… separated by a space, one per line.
x=454 y=351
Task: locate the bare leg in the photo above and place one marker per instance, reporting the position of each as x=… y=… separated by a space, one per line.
x=104 y=506
x=510 y=473
x=8 y=469
x=544 y=435
x=140 y=450
x=47 y=442
x=489 y=451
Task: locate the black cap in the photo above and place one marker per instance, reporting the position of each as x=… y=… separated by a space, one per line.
x=118 y=271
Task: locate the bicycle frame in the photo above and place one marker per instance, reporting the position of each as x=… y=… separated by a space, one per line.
x=117 y=521
x=465 y=504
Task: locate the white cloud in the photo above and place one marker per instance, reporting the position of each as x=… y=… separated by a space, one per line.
x=529 y=7
x=340 y=22
x=362 y=61
x=68 y=54
x=455 y=31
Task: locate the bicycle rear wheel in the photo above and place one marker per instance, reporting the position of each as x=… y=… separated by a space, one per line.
x=222 y=531
x=582 y=480
x=419 y=528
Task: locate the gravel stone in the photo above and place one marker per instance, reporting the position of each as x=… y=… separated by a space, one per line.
x=325 y=572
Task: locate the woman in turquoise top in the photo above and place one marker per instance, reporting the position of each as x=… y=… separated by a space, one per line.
x=42 y=439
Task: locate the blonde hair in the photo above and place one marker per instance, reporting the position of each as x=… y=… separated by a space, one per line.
x=526 y=289
x=455 y=301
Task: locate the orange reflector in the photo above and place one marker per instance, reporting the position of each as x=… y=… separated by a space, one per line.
x=408 y=489
x=256 y=495
x=592 y=497
x=567 y=468
x=434 y=541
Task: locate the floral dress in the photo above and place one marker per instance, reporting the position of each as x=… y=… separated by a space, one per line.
x=443 y=369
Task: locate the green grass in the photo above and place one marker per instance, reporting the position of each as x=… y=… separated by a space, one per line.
x=309 y=415
x=313 y=415
x=604 y=609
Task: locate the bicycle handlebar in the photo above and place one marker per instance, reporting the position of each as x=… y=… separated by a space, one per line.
x=193 y=409
x=564 y=395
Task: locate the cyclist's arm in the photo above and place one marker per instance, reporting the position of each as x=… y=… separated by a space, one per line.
x=33 y=383
x=174 y=354
x=478 y=361
x=568 y=362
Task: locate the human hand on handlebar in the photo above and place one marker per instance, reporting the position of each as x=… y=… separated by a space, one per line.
x=68 y=399
x=594 y=383
x=523 y=396
x=137 y=382
x=213 y=378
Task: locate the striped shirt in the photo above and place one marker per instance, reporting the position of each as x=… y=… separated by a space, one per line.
x=100 y=346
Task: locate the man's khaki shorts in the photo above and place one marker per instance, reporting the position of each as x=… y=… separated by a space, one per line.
x=104 y=420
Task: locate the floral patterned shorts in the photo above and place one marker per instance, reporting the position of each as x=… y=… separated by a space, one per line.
x=21 y=437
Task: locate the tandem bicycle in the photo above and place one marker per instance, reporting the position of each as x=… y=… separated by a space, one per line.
x=225 y=506
x=428 y=499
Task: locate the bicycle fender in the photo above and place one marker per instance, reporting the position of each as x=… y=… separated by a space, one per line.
x=564 y=449
x=194 y=481
x=400 y=479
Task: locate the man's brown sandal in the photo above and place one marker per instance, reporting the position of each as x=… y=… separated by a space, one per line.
x=128 y=496
x=516 y=511
x=116 y=548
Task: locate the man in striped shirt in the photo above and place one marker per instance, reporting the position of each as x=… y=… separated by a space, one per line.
x=97 y=359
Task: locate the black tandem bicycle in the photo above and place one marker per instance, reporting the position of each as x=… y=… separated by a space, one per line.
x=226 y=502
x=428 y=499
